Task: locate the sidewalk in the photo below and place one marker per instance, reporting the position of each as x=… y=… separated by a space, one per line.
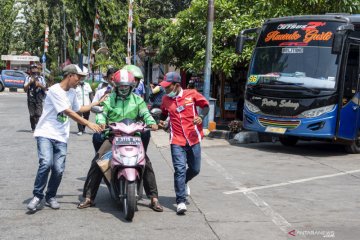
x=161 y=140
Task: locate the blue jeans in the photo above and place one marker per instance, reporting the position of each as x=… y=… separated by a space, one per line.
x=182 y=155
x=52 y=156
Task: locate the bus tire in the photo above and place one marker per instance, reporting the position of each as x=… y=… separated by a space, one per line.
x=354 y=147
x=1 y=87
x=288 y=141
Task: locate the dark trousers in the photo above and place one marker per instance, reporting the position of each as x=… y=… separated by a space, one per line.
x=35 y=110
x=85 y=115
x=95 y=174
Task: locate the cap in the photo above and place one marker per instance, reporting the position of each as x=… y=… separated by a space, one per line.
x=169 y=78
x=73 y=69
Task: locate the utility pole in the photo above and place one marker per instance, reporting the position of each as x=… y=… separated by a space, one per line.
x=208 y=56
x=134 y=42
x=64 y=29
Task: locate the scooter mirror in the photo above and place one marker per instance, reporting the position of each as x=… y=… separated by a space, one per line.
x=156 y=112
x=97 y=109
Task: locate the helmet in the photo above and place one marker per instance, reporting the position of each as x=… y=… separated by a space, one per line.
x=135 y=70
x=124 y=82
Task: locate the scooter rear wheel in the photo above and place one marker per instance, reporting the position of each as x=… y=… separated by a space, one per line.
x=129 y=201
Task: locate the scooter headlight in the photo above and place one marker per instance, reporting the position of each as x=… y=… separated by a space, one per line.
x=251 y=107
x=129 y=161
x=317 y=111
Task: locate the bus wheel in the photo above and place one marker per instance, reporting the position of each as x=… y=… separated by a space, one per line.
x=1 y=87
x=354 y=147
x=288 y=140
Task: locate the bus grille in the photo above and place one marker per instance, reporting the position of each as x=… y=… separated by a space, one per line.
x=292 y=124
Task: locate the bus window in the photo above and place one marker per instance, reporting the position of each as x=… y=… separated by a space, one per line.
x=351 y=73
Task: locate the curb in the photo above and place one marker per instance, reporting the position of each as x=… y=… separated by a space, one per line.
x=18 y=90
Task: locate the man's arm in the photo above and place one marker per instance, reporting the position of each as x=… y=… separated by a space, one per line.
x=28 y=81
x=73 y=115
x=204 y=112
x=201 y=101
x=87 y=108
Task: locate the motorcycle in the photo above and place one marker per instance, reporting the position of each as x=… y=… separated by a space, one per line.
x=124 y=165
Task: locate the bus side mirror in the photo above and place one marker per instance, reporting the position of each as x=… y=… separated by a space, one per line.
x=337 y=43
x=240 y=42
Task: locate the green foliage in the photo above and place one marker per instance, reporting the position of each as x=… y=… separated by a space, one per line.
x=183 y=42
x=175 y=29
x=8 y=13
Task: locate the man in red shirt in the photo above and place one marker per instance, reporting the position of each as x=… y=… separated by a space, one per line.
x=185 y=132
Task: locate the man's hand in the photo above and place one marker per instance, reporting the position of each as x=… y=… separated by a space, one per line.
x=164 y=125
x=94 y=127
x=154 y=127
x=197 y=120
x=38 y=84
x=103 y=98
x=103 y=126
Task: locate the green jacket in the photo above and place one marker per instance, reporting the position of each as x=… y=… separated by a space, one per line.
x=133 y=107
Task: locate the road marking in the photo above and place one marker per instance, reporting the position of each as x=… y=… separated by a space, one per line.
x=245 y=189
x=275 y=217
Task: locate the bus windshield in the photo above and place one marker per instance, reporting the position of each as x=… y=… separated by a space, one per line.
x=295 y=55
x=313 y=67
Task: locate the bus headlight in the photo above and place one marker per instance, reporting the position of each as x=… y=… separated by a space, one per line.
x=251 y=107
x=317 y=111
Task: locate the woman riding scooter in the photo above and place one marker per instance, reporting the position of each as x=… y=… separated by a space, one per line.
x=121 y=104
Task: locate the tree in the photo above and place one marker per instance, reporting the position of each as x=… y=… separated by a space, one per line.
x=8 y=13
x=182 y=42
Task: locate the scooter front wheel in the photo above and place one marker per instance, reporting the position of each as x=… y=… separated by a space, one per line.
x=129 y=201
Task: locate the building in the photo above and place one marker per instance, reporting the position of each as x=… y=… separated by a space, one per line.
x=19 y=62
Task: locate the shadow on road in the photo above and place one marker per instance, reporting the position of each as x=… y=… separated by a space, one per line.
x=24 y=131
x=313 y=149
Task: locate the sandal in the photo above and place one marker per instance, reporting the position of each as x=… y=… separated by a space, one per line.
x=85 y=204
x=155 y=205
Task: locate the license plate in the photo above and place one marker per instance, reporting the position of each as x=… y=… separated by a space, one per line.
x=127 y=141
x=275 y=130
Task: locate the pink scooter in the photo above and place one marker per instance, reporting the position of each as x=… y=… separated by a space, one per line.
x=127 y=162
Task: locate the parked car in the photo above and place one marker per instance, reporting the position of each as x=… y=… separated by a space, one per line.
x=12 y=79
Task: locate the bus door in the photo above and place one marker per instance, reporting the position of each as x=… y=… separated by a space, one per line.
x=349 y=113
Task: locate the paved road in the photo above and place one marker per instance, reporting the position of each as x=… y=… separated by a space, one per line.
x=255 y=191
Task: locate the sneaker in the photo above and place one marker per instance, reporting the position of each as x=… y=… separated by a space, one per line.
x=52 y=203
x=79 y=133
x=187 y=190
x=181 y=208
x=34 y=203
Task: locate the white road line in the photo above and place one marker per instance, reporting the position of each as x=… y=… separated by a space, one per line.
x=245 y=189
x=275 y=217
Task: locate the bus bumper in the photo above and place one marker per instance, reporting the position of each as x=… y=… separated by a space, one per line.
x=322 y=127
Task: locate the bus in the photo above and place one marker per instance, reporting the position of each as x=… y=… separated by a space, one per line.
x=303 y=80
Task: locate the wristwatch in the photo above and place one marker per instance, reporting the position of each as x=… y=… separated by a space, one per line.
x=201 y=116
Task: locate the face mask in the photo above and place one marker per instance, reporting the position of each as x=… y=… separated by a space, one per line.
x=124 y=92
x=171 y=94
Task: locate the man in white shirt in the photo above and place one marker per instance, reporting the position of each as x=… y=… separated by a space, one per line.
x=52 y=133
x=84 y=95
